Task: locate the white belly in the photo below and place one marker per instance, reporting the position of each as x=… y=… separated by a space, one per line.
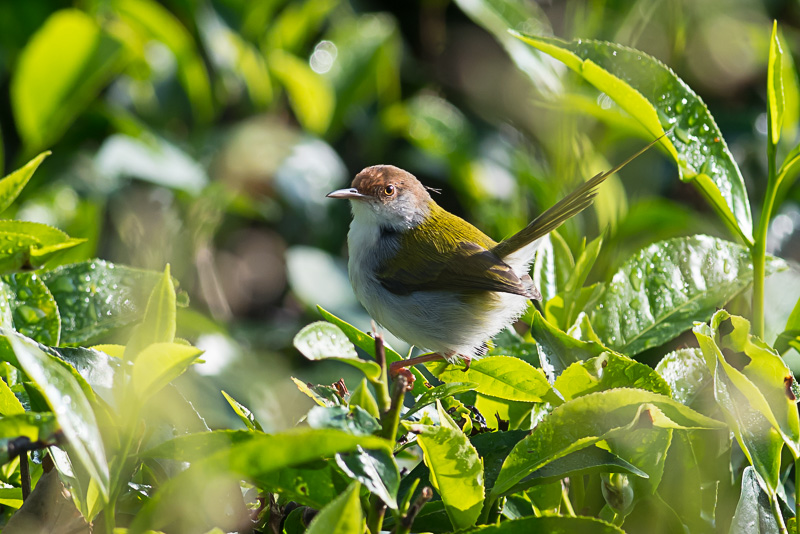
x=438 y=321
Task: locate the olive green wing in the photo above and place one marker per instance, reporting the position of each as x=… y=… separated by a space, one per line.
x=465 y=267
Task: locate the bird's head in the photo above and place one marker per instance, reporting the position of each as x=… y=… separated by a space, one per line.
x=388 y=197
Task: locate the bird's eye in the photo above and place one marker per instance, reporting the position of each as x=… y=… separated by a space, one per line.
x=388 y=190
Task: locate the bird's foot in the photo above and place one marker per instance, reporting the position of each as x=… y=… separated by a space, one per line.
x=467 y=363
x=396 y=367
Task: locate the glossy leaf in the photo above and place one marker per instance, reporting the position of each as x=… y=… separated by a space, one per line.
x=96 y=297
x=607 y=371
x=376 y=470
x=662 y=290
x=366 y=343
x=776 y=104
x=322 y=340
x=557 y=350
x=439 y=393
x=29 y=245
x=503 y=377
x=456 y=472
x=342 y=516
x=33 y=308
x=159 y=364
x=150 y=20
x=159 y=322
x=586 y=420
x=651 y=92
x=11 y=186
x=551 y=525
x=9 y=403
x=60 y=72
x=686 y=373
x=70 y=406
x=362 y=397
x=244 y=413
x=754 y=512
x=353 y=419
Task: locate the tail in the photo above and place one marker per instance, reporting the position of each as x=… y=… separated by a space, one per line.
x=564 y=209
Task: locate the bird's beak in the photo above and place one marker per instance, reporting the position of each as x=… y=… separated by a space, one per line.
x=346 y=193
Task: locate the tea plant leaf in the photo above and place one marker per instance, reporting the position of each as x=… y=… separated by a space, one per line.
x=376 y=470
x=586 y=420
x=686 y=373
x=366 y=343
x=70 y=406
x=551 y=525
x=776 y=103
x=753 y=513
x=652 y=93
x=311 y=96
x=159 y=322
x=342 y=516
x=30 y=245
x=791 y=334
x=456 y=472
x=503 y=377
x=439 y=393
x=664 y=288
x=313 y=484
x=13 y=184
x=353 y=419
x=557 y=350
x=244 y=413
x=362 y=398
x=33 y=308
x=61 y=70
x=159 y=364
x=758 y=401
x=607 y=371
x=322 y=340
x=9 y=403
x=96 y=297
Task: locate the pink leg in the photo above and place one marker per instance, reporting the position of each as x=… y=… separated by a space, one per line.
x=395 y=367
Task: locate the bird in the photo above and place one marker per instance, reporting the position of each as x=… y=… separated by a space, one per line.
x=433 y=279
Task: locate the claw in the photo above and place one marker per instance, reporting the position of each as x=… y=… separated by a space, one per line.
x=467 y=363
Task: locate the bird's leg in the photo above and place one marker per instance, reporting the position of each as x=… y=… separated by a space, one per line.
x=467 y=363
x=395 y=367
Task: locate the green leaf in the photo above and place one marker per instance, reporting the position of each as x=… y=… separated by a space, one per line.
x=313 y=483
x=753 y=513
x=686 y=373
x=322 y=340
x=29 y=245
x=353 y=419
x=651 y=92
x=791 y=332
x=456 y=472
x=310 y=94
x=757 y=394
x=96 y=297
x=9 y=403
x=551 y=525
x=776 y=103
x=244 y=413
x=70 y=406
x=150 y=20
x=376 y=470
x=438 y=393
x=366 y=343
x=11 y=186
x=59 y=73
x=557 y=350
x=362 y=397
x=342 y=516
x=583 y=265
x=503 y=377
x=159 y=364
x=607 y=371
x=586 y=420
x=159 y=323
x=33 y=308
x=664 y=288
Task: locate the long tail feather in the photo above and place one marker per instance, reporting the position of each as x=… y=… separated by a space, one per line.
x=564 y=209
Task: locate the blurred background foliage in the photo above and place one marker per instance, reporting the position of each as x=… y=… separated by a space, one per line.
x=206 y=134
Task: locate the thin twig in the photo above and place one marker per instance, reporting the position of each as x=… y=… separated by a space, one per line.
x=25 y=475
x=405 y=523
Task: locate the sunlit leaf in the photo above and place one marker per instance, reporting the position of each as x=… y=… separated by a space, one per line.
x=652 y=93
x=11 y=186
x=342 y=516
x=586 y=420
x=310 y=94
x=376 y=470
x=159 y=364
x=456 y=472
x=9 y=403
x=159 y=322
x=29 y=245
x=607 y=371
x=33 y=308
x=557 y=350
x=70 y=406
x=362 y=397
x=59 y=73
x=686 y=373
x=552 y=525
x=353 y=419
x=244 y=413
x=322 y=340
x=504 y=377
x=662 y=290
x=776 y=104
x=438 y=393
x=754 y=512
